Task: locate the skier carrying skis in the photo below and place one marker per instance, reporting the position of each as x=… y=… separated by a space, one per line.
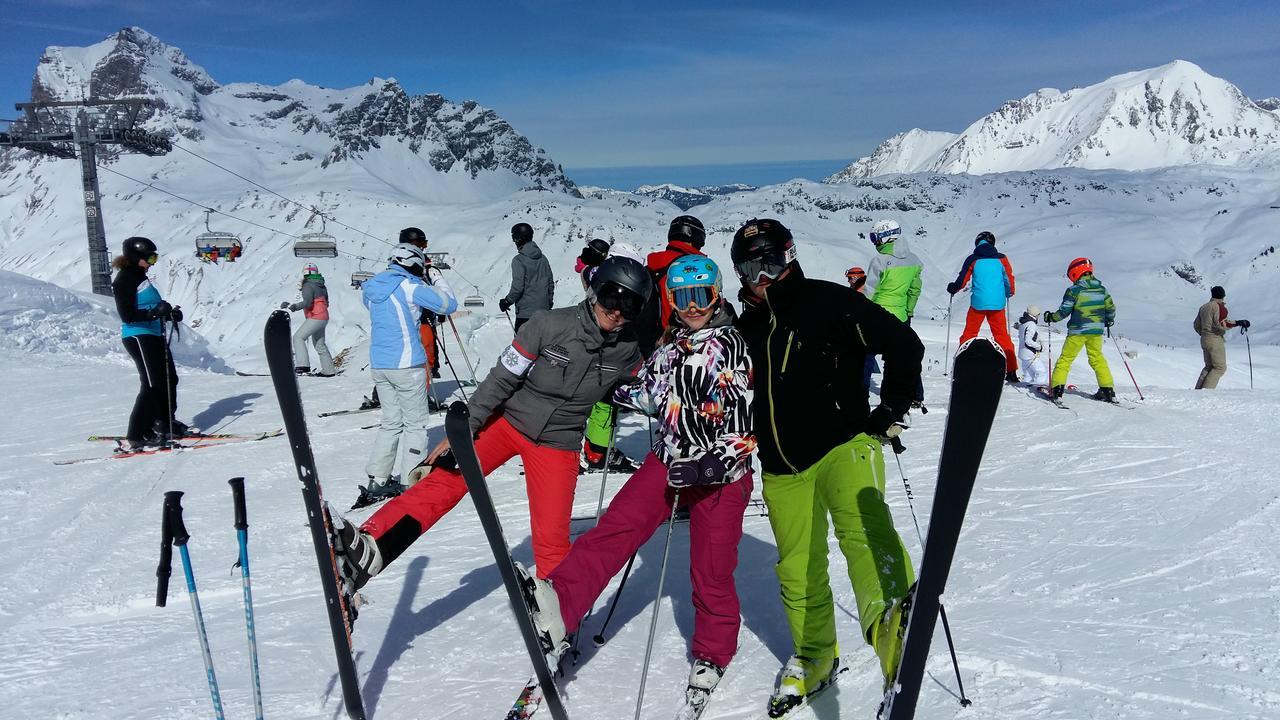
x=685 y=236
x=315 y=308
x=992 y=277
x=143 y=314
x=397 y=361
x=1091 y=310
x=893 y=279
x=698 y=387
x=1211 y=324
x=533 y=286
x=820 y=450
x=1035 y=370
x=532 y=404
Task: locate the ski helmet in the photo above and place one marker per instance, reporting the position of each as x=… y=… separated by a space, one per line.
x=885 y=231
x=985 y=236
x=310 y=269
x=413 y=236
x=621 y=284
x=595 y=252
x=762 y=248
x=693 y=280
x=689 y=229
x=626 y=250
x=1033 y=311
x=410 y=258
x=138 y=248
x=856 y=276
x=1079 y=267
x=521 y=233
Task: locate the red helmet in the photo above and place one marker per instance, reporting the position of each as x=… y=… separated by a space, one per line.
x=1078 y=267
x=856 y=276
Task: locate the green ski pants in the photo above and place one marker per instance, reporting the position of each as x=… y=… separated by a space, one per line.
x=847 y=484
x=600 y=425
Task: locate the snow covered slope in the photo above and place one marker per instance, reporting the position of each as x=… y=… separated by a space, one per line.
x=1175 y=114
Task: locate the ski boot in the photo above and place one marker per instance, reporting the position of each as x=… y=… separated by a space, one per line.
x=358 y=556
x=377 y=491
x=1105 y=394
x=1011 y=377
x=1059 y=391
x=620 y=463
x=887 y=634
x=302 y=370
x=801 y=678
x=703 y=679
x=544 y=608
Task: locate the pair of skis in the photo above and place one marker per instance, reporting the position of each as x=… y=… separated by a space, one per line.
x=199 y=441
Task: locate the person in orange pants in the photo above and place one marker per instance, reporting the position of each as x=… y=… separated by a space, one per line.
x=991 y=275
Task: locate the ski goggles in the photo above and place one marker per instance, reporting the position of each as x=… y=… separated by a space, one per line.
x=768 y=266
x=699 y=297
x=155 y=258
x=613 y=297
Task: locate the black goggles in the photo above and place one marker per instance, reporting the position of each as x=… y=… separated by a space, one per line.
x=612 y=296
x=768 y=266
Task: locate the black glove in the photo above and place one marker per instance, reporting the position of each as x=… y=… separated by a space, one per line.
x=284 y=305
x=176 y=315
x=1242 y=324
x=748 y=298
x=160 y=311
x=1048 y=316
x=504 y=304
x=952 y=289
x=883 y=423
x=706 y=470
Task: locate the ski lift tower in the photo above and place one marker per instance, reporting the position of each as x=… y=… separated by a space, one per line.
x=48 y=128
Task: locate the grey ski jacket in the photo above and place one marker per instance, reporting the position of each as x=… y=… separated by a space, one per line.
x=532 y=284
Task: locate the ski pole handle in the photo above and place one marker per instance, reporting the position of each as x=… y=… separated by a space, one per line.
x=237 y=498
x=165 y=568
x=173 y=508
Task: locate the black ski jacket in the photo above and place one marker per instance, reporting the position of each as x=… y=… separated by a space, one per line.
x=808 y=342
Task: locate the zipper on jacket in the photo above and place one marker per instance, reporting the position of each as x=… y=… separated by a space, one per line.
x=786 y=355
x=768 y=356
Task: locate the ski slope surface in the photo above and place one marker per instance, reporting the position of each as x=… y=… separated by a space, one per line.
x=1116 y=563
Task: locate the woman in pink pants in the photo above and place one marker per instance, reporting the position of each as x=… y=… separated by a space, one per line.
x=698 y=386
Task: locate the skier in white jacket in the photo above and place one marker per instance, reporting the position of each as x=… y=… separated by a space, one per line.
x=1035 y=369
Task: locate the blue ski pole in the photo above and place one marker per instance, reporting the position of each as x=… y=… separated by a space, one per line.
x=242 y=535
x=175 y=529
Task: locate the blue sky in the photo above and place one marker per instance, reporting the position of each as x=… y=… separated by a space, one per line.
x=607 y=84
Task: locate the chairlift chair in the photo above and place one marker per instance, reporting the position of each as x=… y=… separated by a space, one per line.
x=215 y=245
x=359 y=277
x=439 y=260
x=316 y=245
x=473 y=301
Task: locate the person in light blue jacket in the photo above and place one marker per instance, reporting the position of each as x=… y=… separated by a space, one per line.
x=395 y=298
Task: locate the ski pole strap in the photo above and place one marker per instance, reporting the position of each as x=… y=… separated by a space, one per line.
x=173 y=507
x=165 y=568
x=237 y=498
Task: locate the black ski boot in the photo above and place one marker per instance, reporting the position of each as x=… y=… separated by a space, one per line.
x=302 y=370
x=1059 y=391
x=1105 y=394
x=1011 y=377
x=375 y=492
x=619 y=462
x=356 y=551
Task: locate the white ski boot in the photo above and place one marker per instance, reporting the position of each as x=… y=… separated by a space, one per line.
x=356 y=551
x=703 y=678
x=544 y=607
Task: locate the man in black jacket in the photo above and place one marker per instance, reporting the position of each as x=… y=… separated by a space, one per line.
x=820 y=449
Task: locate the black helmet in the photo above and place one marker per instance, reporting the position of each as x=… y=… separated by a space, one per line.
x=138 y=248
x=621 y=284
x=762 y=247
x=595 y=252
x=689 y=229
x=986 y=235
x=412 y=235
x=521 y=233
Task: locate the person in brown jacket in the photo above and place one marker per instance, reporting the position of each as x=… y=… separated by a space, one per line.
x=1212 y=324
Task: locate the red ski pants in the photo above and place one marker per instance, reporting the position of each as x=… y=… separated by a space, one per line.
x=635 y=513
x=551 y=475
x=999 y=332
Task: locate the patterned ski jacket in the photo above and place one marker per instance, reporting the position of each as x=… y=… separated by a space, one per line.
x=893 y=279
x=699 y=387
x=1088 y=304
x=992 y=277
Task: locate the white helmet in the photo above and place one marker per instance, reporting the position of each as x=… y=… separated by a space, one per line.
x=1033 y=311
x=626 y=250
x=410 y=258
x=885 y=231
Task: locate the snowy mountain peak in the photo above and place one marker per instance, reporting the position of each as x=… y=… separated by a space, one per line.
x=1174 y=114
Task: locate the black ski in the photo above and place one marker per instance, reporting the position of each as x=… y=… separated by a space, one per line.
x=279 y=346
x=457 y=427
x=347 y=412
x=977 y=381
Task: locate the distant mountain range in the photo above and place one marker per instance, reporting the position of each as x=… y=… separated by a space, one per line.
x=1175 y=114
x=682 y=197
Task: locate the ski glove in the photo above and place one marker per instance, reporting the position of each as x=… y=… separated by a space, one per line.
x=284 y=305
x=883 y=424
x=176 y=315
x=706 y=470
x=952 y=289
x=1242 y=324
x=160 y=311
x=1048 y=317
x=504 y=304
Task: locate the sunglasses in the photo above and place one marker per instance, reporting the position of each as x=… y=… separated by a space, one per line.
x=769 y=266
x=613 y=297
x=700 y=298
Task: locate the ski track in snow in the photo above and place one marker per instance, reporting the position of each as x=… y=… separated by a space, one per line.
x=1114 y=564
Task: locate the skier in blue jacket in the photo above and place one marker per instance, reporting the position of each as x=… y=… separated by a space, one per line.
x=395 y=298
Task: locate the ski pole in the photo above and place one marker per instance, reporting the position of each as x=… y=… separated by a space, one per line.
x=608 y=456
x=513 y=325
x=242 y=537
x=946 y=349
x=657 y=603
x=452 y=370
x=463 y=348
x=942 y=612
x=177 y=531
x=1249 y=350
x=1125 y=360
x=600 y=639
